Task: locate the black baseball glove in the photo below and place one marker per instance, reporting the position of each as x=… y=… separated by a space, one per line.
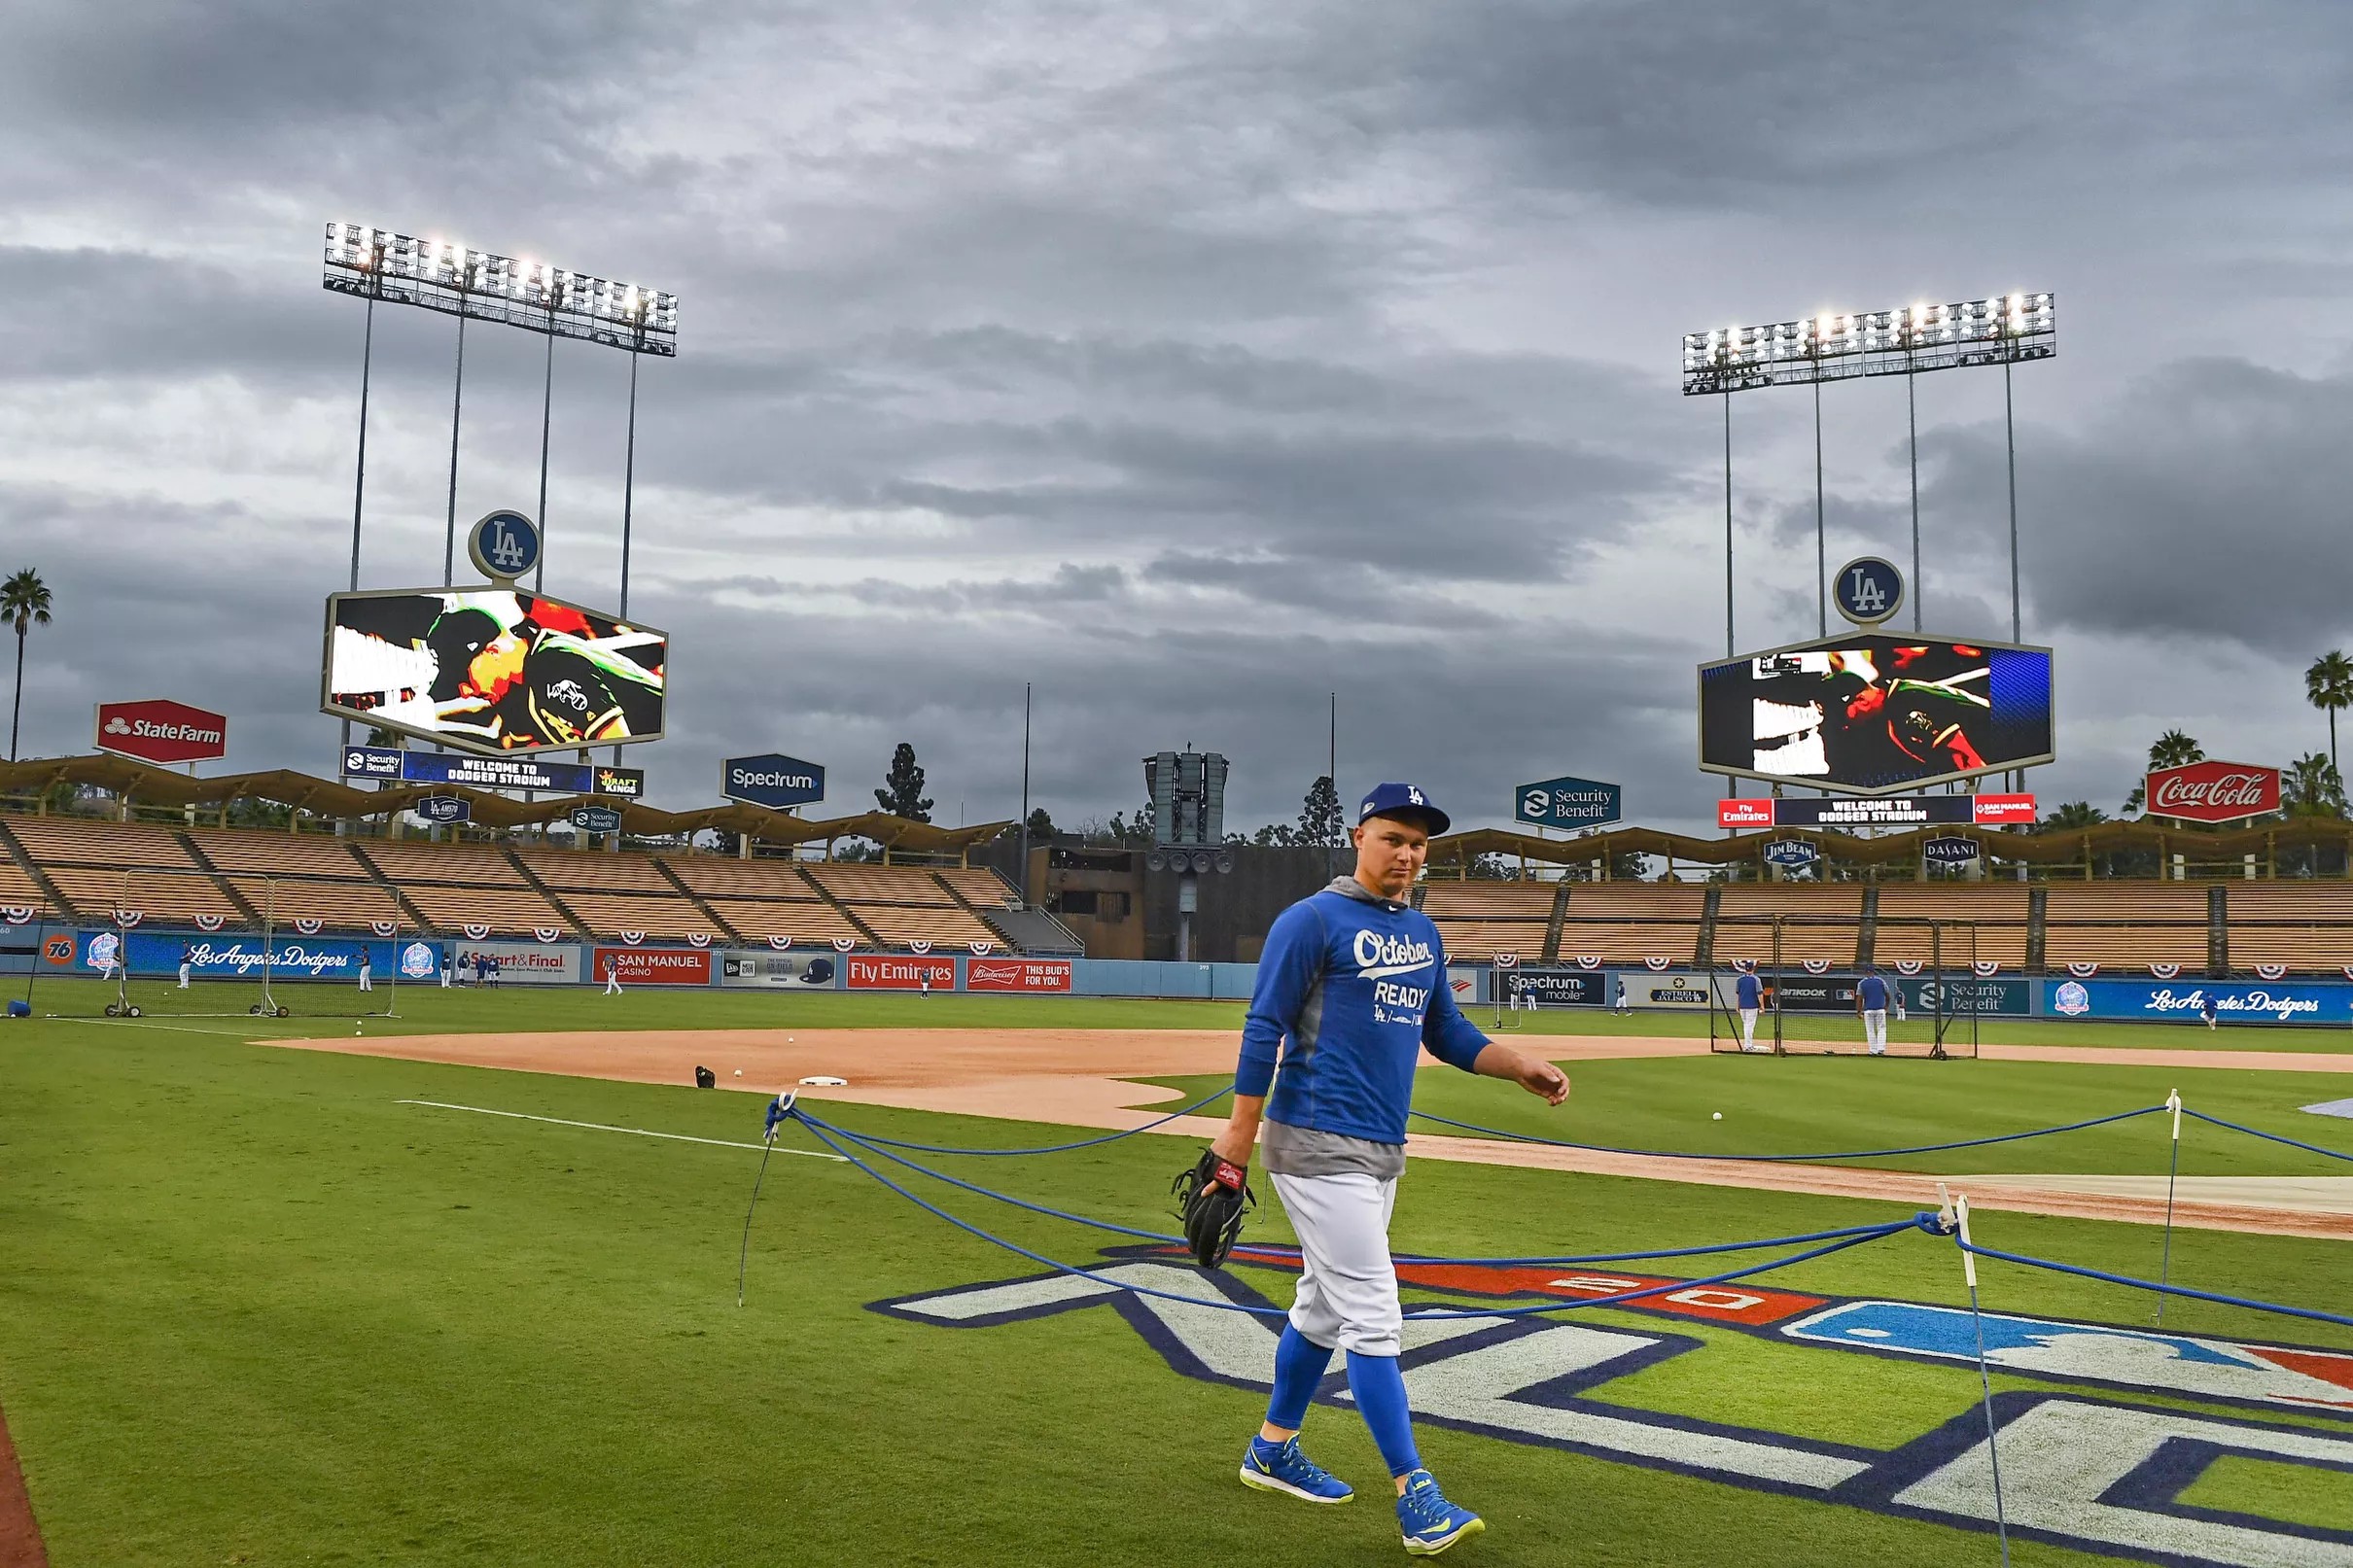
x=1212 y=1196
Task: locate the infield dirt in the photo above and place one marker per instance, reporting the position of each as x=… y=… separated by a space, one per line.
x=1079 y=1078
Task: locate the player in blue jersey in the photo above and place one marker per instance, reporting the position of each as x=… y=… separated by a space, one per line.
x=1871 y=1006
x=1749 y=993
x=1351 y=988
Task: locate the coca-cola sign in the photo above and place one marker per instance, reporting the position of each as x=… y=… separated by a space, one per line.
x=2213 y=791
x=161 y=731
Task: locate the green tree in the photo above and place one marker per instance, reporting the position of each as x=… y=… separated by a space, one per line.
x=902 y=791
x=1319 y=815
x=2329 y=686
x=2072 y=817
x=1491 y=867
x=1041 y=826
x=2311 y=787
x=1277 y=834
x=24 y=603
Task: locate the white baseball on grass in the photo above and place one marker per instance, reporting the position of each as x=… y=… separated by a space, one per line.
x=1717 y=1115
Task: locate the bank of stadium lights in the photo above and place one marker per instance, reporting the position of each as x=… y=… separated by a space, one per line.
x=2001 y=330
x=459 y=281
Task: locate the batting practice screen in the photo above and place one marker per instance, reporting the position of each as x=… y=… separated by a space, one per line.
x=492 y=671
x=1869 y=715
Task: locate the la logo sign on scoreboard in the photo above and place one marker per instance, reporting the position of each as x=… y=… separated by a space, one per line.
x=161 y=730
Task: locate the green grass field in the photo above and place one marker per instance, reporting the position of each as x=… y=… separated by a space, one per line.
x=255 y=1311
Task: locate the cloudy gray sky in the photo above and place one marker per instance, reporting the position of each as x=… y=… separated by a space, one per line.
x=1191 y=362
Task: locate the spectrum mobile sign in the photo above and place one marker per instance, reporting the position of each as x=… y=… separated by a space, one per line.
x=161 y=730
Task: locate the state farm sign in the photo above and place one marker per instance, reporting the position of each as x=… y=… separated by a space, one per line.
x=161 y=731
x=1018 y=974
x=891 y=972
x=2213 y=791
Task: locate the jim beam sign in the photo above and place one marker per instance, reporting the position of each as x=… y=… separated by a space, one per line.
x=2213 y=791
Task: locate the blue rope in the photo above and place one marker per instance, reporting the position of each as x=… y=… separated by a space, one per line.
x=1848 y=1154
x=1053 y=1149
x=2273 y=1137
x=2148 y=1284
x=1922 y=1221
x=862 y=1140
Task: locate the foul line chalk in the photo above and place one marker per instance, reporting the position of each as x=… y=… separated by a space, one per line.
x=634 y=1131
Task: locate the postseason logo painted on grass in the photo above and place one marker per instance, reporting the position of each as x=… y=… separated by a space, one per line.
x=2083 y=1470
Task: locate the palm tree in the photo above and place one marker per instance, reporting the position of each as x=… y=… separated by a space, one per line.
x=2329 y=686
x=2072 y=817
x=2174 y=750
x=2311 y=787
x=24 y=603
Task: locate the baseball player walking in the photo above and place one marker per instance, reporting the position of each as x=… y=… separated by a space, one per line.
x=1351 y=988
x=188 y=963
x=1871 y=1006
x=368 y=971
x=612 y=977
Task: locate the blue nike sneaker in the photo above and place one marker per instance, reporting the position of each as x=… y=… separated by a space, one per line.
x=1280 y=1467
x=1429 y=1522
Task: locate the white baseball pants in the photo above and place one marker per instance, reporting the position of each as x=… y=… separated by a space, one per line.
x=1348 y=1287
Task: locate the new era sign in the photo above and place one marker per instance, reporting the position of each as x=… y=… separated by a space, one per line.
x=161 y=731
x=2213 y=791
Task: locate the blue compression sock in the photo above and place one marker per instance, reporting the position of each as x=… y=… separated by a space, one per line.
x=1299 y=1365
x=1380 y=1391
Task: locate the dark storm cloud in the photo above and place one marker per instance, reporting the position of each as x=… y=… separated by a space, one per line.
x=2208 y=501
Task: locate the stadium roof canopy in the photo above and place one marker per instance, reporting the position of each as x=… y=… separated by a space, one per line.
x=147 y=785
x=2077 y=847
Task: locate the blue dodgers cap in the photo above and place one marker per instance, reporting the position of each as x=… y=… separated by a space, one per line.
x=1402 y=800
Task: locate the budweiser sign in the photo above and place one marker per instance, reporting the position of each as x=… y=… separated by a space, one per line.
x=161 y=731
x=2213 y=791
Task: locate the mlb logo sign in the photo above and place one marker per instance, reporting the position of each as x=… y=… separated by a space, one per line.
x=2072 y=999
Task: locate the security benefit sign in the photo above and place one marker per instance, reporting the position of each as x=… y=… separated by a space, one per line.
x=2151 y=1447
x=1569 y=803
x=1866 y=713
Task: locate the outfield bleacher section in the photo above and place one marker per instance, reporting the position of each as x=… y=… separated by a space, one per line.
x=1952 y=923
x=1479 y=922
x=1789 y=923
x=87 y=868
x=2126 y=924
x=1634 y=922
x=2300 y=925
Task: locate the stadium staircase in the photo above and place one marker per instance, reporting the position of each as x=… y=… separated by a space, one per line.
x=229 y=890
x=701 y=903
x=1560 y=916
x=29 y=871
x=1867 y=931
x=2218 y=930
x=1705 y=954
x=2038 y=903
x=540 y=887
x=825 y=895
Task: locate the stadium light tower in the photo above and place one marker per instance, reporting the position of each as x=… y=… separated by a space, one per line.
x=2002 y=331
x=375 y=263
